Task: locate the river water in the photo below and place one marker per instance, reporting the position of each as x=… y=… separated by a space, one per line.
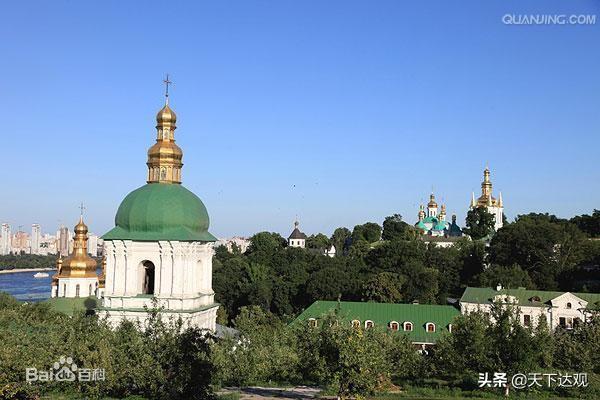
x=23 y=286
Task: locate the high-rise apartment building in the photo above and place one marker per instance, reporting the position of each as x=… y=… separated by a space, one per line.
x=36 y=238
x=5 y=239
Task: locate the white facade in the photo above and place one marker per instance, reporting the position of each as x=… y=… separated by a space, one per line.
x=563 y=310
x=242 y=243
x=5 y=240
x=298 y=242
x=75 y=287
x=177 y=274
x=330 y=252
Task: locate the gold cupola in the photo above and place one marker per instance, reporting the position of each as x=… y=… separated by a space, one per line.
x=164 y=157
x=79 y=264
x=432 y=203
x=486 y=198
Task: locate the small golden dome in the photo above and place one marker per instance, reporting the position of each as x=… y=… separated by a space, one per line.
x=432 y=202
x=166 y=115
x=81 y=228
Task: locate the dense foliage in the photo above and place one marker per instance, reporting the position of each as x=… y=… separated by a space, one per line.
x=354 y=361
x=165 y=361
x=21 y=261
x=537 y=251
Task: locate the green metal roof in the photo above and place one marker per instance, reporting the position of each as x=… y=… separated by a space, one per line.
x=420 y=225
x=524 y=296
x=440 y=226
x=383 y=313
x=161 y=211
x=431 y=220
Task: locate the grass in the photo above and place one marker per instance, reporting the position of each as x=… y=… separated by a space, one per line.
x=457 y=394
x=69 y=306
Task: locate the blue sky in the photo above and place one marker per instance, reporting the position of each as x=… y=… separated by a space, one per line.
x=340 y=112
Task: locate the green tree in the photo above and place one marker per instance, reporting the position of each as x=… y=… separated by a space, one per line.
x=264 y=351
x=369 y=232
x=384 y=287
x=327 y=284
x=394 y=228
x=341 y=240
x=589 y=224
x=479 y=223
x=318 y=241
x=349 y=359
x=544 y=248
x=508 y=276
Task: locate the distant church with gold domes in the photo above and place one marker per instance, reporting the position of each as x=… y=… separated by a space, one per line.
x=494 y=206
x=160 y=249
x=76 y=275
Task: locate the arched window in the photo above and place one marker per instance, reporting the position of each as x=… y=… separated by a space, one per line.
x=408 y=326
x=569 y=305
x=90 y=291
x=64 y=290
x=430 y=327
x=76 y=290
x=450 y=328
x=356 y=323
x=146 y=274
x=536 y=299
x=312 y=322
x=394 y=326
x=369 y=324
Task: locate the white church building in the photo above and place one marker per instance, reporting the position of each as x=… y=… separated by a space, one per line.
x=160 y=251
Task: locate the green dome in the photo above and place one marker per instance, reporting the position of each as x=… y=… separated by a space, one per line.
x=161 y=211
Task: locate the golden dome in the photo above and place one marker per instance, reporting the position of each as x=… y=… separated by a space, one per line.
x=432 y=202
x=81 y=228
x=164 y=157
x=166 y=116
x=79 y=264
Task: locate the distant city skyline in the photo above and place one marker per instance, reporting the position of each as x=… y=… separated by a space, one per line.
x=338 y=113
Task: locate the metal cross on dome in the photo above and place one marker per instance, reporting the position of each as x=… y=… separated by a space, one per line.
x=81 y=208
x=167 y=83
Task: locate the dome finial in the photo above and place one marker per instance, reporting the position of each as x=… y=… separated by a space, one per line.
x=167 y=83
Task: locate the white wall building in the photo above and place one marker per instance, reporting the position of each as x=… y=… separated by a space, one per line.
x=561 y=309
x=242 y=243
x=297 y=238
